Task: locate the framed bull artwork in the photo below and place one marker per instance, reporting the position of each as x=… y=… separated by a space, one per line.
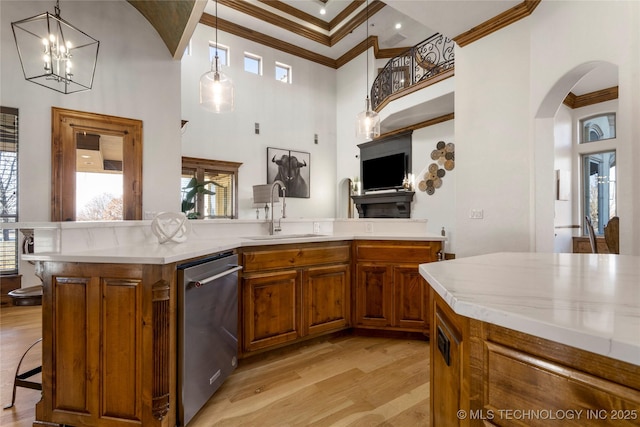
x=290 y=167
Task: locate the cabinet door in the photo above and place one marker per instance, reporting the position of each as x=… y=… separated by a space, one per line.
x=410 y=293
x=104 y=361
x=373 y=295
x=326 y=298
x=271 y=304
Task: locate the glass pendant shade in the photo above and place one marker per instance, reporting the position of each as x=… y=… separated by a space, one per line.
x=216 y=90
x=368 y=123
x=55 y=54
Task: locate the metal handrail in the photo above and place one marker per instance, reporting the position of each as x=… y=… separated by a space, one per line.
x=428 y=58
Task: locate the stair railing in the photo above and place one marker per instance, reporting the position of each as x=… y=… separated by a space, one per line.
x=427 y=59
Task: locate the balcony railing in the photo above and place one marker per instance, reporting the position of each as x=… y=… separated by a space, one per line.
x=427 y=59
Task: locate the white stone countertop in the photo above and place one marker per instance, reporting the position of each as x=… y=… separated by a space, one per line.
x=587 y=301
x=155 y=253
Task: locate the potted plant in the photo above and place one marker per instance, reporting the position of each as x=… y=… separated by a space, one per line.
x=189 y=192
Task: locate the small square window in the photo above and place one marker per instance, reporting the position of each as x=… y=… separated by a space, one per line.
x=283 y=73
x=252 y=63
x=223 y=53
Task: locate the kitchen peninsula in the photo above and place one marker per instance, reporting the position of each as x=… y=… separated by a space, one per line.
x=546 y=336
x=111 y=298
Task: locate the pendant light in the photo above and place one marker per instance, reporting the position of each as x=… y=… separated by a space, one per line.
x=216 y=88
x=368 y=121
x=55 y=54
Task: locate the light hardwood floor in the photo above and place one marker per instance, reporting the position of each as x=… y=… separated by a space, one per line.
x=344 y=381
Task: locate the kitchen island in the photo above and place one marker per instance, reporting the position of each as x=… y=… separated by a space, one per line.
x=110 y=304
x=535 y=339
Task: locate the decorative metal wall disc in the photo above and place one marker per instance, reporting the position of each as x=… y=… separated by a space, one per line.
x=443 y=155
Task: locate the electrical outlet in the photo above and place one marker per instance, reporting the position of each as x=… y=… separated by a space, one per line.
x=316 y=228
x=368 y=227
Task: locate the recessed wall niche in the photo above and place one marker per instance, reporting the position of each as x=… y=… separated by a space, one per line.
x=384 y=167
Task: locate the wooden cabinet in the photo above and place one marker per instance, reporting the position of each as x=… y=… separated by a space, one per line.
x=271 y=304
x=108 y=345
x=500 y=377
x=390 y=293
x=326 y=291
x=291 y=292
x=446 y=364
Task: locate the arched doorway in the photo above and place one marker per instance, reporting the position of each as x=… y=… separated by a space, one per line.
x=557 y=217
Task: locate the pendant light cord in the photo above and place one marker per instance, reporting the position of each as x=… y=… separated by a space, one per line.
x=216 y=57
x=367 y=49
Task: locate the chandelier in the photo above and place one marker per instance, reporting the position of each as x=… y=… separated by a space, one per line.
x=55 y=54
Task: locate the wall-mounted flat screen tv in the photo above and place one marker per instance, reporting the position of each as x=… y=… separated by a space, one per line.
x=383 y=173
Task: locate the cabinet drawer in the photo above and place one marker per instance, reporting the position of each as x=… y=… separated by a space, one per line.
x=392 y=251
x=286 y=256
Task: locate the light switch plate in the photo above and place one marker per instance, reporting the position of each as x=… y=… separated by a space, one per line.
x=476 y=213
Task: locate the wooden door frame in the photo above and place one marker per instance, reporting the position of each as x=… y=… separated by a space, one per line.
x=63 y=167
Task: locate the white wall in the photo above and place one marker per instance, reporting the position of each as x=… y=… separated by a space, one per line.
x=494 y=158
x=350 y=98
x=563 y=162
x=289 y=115
x=562 y=50
x=505 y=148
x=135 y=78
x=440 y=208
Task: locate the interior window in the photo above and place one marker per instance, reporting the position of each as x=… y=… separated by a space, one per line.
x=599 y=188
x=598 y=127
x=283 y=73
x=209 y=188
x=252 y=63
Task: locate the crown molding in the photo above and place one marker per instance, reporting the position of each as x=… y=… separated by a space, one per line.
x=297 y=13
x=418 y=125
x=321 y=37
x=591 y=98
x=249 y=34
x=498 y=22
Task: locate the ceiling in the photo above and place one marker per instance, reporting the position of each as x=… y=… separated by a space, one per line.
x=333 y=39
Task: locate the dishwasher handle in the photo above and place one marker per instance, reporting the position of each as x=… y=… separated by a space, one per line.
x=199 y=283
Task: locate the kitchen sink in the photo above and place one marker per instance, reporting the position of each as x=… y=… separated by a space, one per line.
x=285 y=236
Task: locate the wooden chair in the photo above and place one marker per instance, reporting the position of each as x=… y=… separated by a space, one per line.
x=592 y=236
x=612 y=235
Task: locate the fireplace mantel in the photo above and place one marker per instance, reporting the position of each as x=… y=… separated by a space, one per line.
x=396 y=204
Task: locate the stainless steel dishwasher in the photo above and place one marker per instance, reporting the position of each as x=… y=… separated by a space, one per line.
x=207 y=329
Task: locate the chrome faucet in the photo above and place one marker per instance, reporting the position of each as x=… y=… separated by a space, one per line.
x=273 y=228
